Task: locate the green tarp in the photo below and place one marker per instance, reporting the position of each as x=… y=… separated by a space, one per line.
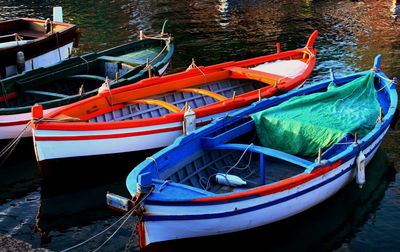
x=303 y=124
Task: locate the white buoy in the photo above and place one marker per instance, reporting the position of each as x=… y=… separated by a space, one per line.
x=360 y=173
x=229 y=180
x=57 y=14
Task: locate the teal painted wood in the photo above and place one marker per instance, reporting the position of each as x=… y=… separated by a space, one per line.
x=80 y=77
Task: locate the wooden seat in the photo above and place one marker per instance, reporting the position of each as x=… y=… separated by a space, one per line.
x=119 y=60
x=204 y=92
x=268 y=78
x=57 y=95
x=87 y=76
x=163 y=104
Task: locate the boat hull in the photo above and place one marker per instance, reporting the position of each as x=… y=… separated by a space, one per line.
x=41 y=49
x=17 y=124
x=163 y=222
x=46 y=59
x=12 y=125
x=51 y=142
x=52 y=145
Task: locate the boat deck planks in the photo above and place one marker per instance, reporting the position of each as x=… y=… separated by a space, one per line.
x=195 y=100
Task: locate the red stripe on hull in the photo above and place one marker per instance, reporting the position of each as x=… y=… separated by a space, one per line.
x=121 y=135
x=94 y=137
x=16 y=123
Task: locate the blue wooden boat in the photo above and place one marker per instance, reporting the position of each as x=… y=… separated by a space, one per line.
x=226 y=177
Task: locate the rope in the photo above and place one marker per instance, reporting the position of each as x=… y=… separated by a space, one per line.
x=155 y=57
x=391 y=81
x=155 y=163
x=15 y=35
x=154 y=36
x=309 y=51
x=126 y=216
x=158 y=55
x=193 y=65
x=10 y=147
x=87 y=64
x=163 y=184
x=58 y=46
x=69 y=119
x=231 y=168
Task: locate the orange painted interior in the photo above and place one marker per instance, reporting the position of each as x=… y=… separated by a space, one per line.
x=119 y=97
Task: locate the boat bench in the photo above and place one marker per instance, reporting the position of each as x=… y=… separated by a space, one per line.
x=56 y=95
x=219 y=143
x=87 y=77
x=119 y=60
x=29 y=33
x=246 y=73
x=160 y=103
x=211 y=94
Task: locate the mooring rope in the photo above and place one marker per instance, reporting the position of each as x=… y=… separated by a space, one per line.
x=155 y=36
x=158 y=55
x=125 y=216
x=391 y=81
x=156 y=164
x=68 y=119
x=193 y=65
x=10 y=147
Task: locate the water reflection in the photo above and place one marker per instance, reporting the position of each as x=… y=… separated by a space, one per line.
x=352 y=33
x=65 y=213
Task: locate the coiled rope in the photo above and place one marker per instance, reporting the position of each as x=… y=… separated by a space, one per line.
x=125 y=217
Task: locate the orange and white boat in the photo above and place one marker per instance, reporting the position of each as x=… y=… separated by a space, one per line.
x=153 y=112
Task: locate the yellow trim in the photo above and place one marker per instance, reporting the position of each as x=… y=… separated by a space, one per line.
x=163 y=104
x=204 y=92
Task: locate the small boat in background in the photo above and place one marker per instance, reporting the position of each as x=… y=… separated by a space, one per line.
x=27 y=43
x=153 y=112
x=249 y=168
x=79 y=77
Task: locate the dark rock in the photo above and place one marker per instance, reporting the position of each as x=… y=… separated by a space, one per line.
x=9 y=244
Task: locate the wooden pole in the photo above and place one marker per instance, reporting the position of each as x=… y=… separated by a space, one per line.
x=319 y=155
x=148 y=68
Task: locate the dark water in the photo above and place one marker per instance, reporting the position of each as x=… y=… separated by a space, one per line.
x=70 y=211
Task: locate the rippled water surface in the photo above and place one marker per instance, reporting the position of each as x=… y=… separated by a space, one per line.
x=61 y=214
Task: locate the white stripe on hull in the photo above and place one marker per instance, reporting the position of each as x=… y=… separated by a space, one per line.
x=77 y=148
x=10 y=132
x=44 y=60
x=157 y=231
